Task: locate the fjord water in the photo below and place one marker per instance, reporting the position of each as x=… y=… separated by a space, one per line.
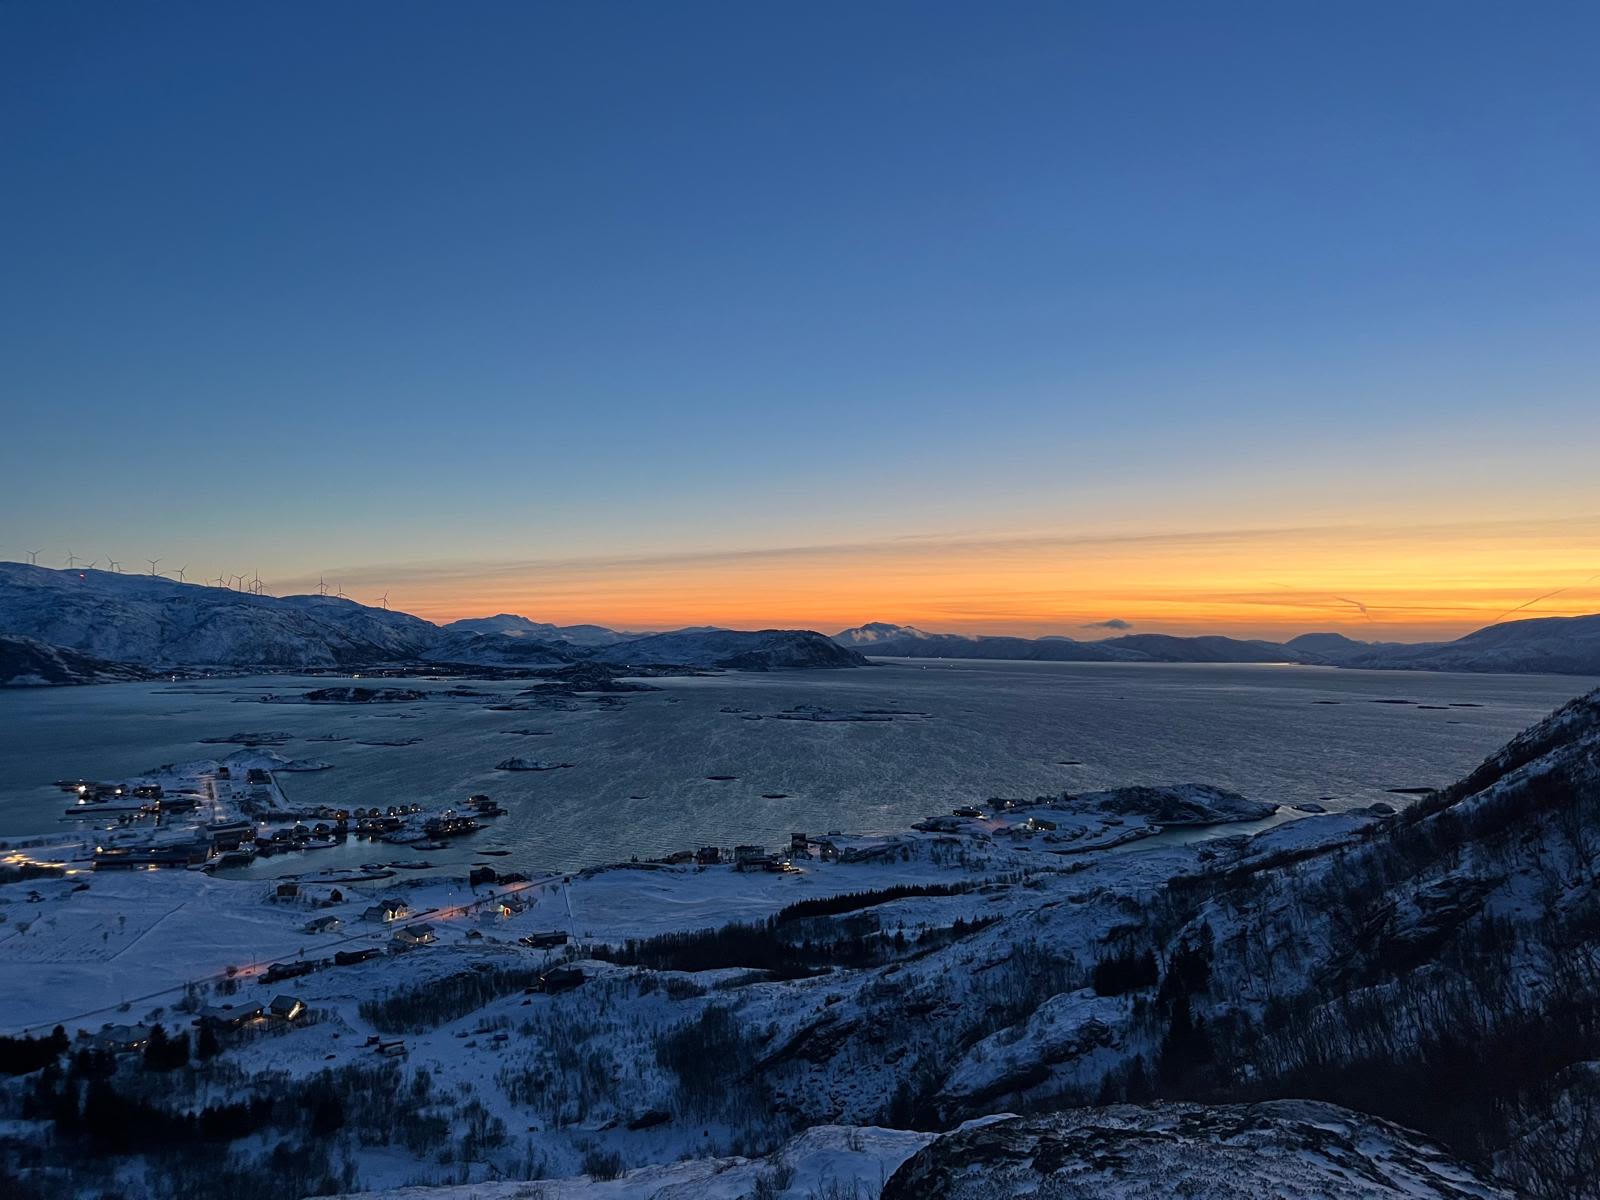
x=639 y=783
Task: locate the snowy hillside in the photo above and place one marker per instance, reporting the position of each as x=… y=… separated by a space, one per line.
x=1559 y=645
x=157 y=622
x=154 y=622
x=1288 y=1150
x=25 y=662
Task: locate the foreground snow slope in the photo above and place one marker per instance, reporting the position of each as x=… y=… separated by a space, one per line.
x=1286 y=1150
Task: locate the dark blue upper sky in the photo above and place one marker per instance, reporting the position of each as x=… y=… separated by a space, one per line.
x=374 y=282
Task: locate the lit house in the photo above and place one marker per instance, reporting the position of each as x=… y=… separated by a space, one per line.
x=413 y=935
x=287 y=1008
x=229 y=1016
x=387 y=910
x=121 y=1039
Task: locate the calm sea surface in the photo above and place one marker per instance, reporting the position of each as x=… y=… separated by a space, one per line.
x=639 y=781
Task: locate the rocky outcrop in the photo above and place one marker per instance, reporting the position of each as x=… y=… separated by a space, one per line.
x=1282 y=1150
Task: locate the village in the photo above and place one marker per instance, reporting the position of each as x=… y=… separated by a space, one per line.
x=135 y=946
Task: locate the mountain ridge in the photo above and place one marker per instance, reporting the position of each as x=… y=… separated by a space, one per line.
x=1535 y=645
x=145 y=623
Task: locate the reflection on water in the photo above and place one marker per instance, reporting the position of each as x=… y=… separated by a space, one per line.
x=643 y=781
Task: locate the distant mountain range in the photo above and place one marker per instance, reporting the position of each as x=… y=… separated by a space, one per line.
x=1543 y=645
x=91 y=626
x=87 y=626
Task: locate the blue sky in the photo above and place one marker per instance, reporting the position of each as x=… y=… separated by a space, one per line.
x=371 y=285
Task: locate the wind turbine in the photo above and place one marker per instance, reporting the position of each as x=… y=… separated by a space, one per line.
x=384 y=600
x=255 y=584
x=322 y=586
x=220 y=581
x=152 y=562
x=33 y=558
x=72 y=560
x=114 y=565
x=90 y=565
x=181 y=570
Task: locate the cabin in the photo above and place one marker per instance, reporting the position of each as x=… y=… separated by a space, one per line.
x=325 y=924
x=228 y=1016
x=121 y=1039
x=288 y=970
x=287 y=891
x=799 y=843
x=147 y=791
x=448 y=824
x=679 y=858
x=287 y=1008
x=968 y=810
x=391 y=1049
x=413 y=935
x=349 y=958
x=827 y=850
x=560 y=979
x=708 y=856
x=547 y=940
x=509 y=906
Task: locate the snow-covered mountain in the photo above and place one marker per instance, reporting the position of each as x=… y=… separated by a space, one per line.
x=1545 y=645
x=1554 y=645
x=512 y=626
x=155 y=622
x=876 y=632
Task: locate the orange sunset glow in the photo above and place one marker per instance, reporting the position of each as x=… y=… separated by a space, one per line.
x=1376 y=583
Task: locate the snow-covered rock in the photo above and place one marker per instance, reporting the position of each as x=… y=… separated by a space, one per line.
x=1282 y=1150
